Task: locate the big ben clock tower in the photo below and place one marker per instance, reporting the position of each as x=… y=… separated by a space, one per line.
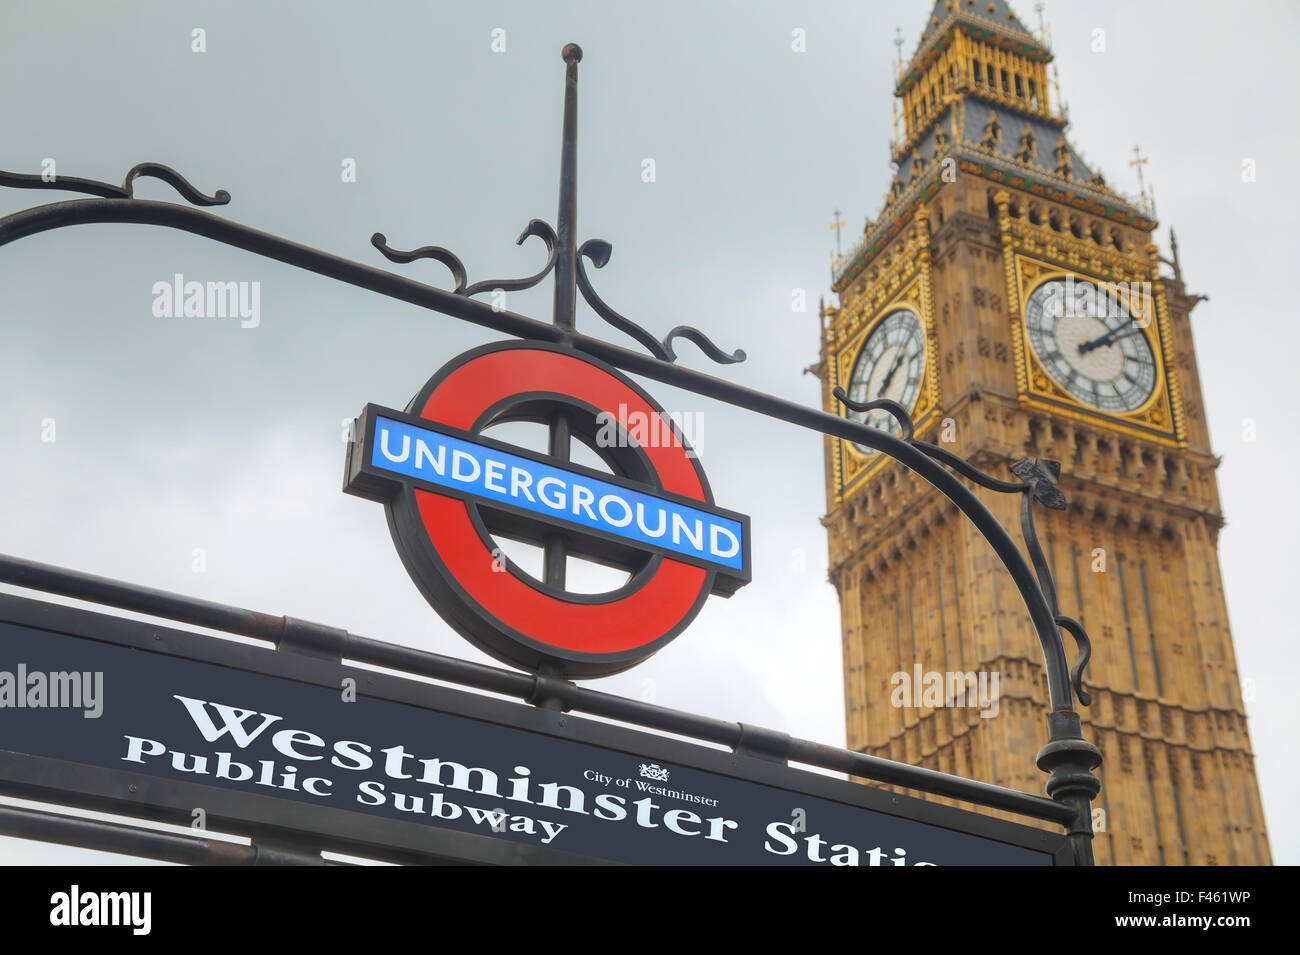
x=1015 y=305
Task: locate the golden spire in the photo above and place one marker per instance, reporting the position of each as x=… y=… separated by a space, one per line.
x=1144 y=194
x=1056 y=92
x=837 y=225
x=1044 y=35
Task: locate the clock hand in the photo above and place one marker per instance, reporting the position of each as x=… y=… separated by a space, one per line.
x=1101 y=340
x=1128 y=334
x=889 y=376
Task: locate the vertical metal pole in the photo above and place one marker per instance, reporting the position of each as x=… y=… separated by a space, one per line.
x=554 y=554
x=566 y=220
x=554 y=551
x=1070 y=760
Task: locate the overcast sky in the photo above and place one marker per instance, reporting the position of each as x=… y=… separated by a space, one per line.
x=174 y=435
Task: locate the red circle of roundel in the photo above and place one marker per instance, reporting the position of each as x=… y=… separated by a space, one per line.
x=620 y=631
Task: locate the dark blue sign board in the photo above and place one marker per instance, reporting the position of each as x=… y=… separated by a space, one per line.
x=144 y=720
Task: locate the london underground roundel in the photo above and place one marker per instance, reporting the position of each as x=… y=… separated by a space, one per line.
x=449 y=491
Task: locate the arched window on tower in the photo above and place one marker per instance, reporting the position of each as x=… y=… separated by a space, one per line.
x=979 y=73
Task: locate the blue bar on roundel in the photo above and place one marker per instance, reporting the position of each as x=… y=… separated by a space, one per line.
x=496 y=475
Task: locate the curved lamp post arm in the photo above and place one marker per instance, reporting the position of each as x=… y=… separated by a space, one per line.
x=925 y=459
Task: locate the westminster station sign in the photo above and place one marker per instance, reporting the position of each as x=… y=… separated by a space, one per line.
x=251 y=736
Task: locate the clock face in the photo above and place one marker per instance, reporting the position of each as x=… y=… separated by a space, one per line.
x=1090 y=345
x=888 y=366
